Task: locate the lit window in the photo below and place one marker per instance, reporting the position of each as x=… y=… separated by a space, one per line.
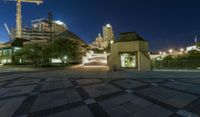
x=128 y=60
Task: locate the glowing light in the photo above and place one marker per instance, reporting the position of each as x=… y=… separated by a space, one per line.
x=60 y=22
x=111 y=42
x=171 y=51
x=182 y=50
x=108 y=26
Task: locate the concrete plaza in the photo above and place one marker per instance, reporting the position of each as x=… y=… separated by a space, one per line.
x=93 y=91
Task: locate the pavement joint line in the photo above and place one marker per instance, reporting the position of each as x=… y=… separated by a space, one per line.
x=113 y=84
x=74 y=82
x=129 y=91
x=10 y=81
x=13 y=96
x=157 y=102
x=57 y=109
x=84 y=95
x=179 y=90
x=154 y=84
x=113 y=95
x=188 y=82
x=192 y=105
x=185 y=113
x=90 y=84
x=171 y=80
x=58 y=89
x=25 y=107
x=34 y=93
x=89 y=101
x=97 y=110
x=142 y=87
x=104 y=97
x=21 y=85
x=140 y=80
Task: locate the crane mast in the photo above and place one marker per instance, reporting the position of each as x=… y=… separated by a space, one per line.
x=18 y=33
x=19 y=20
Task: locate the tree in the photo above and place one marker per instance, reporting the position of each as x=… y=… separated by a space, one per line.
x=41 y=55
x=64 y=49
x=34 y=54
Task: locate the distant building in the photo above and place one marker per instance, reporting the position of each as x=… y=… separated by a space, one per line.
x=44 y=25
x=129 y=52
x=8 y=49
x=98 y=43
x=102 y=41
x=190 y=48
x=40 y=34
x=108 y=34
x=41 y=30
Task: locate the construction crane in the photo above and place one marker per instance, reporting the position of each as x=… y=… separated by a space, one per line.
x=7 y=29
x=19 y=15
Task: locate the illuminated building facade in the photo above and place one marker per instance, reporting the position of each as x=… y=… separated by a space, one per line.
x=102 y=41
x=41 y=30
x=108 y=34
x=44 y=25
x=7 y=50
x=39 y=34
x=130 y=51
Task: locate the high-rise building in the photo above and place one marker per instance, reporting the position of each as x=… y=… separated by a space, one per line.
x=108 y=33
x=102 y=42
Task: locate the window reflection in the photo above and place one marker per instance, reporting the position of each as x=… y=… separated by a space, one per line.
x=128 y=60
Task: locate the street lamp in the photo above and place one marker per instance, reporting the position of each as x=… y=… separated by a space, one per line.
x=160 y=53
x=182 y=50
x=111 y=42
x=171 y=51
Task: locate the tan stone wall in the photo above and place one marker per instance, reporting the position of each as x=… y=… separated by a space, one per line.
x=145 y=62
x=139 y=47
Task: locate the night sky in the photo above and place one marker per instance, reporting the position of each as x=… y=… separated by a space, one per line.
x=164 y=23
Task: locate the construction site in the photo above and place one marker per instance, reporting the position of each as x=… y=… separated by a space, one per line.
x=42 y=31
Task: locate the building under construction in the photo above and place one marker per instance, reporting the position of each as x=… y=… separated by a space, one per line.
x=42 y=31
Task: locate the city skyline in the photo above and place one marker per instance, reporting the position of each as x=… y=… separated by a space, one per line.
x=165 y=25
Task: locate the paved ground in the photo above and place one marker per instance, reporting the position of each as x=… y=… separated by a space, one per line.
x=94 y=92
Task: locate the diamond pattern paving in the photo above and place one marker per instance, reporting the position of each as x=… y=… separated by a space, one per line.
x=9 y=106
x=171 y=97
x=4 y=92
x=82 y=111
x=101 y=89
x=70 y=97
x=55 y=98
x=129 y=105
x=128 y=84
x=184 y=86
x=24 y=81
x=56 y=85
x=88 y=81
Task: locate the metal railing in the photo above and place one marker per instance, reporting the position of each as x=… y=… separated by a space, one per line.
x=177 y=64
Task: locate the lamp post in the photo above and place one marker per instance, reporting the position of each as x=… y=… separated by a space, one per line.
x=171 y=51
x=182 y=50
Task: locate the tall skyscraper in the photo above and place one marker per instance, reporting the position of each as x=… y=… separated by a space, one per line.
x=102 y=42
x=108 y=33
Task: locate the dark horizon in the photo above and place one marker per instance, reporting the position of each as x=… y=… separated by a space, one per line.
x=165 y=24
